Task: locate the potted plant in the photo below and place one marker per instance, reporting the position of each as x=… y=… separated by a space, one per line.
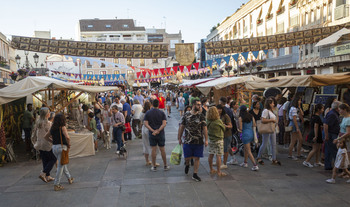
x=32 y=73
x=292 y=3
x=13 y=75
x=241 y=68
x=22 y=72
x=254 y=63
x=259 y=67
x=259 y=21
x=269 y=16
x=247 y=64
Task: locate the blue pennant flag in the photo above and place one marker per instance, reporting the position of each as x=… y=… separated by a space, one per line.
x=235 y=57
x=266 y=51
x=227 y=59
x=85 y=76
x=109 y=77
x=245 y=55
x=256 y=54
x=105 y=77
x=124 y=75
x=118 y=76
x=113 y=76
x=218 y=61
x=210 y=63
x=90 y=77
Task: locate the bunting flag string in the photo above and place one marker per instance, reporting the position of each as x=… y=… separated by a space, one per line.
x=218 y=61
x=175 y=69
x=255 y=54
x=138 y=74
x=144 y=74
x=189 y=67
x=235 y=57
x=168 y=70
x=181 y=67
x=245 y=55
x=210 y=63
x=161 y=71
x=196 y=65
x=227 y=59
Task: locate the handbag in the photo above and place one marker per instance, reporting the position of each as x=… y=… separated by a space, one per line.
x=64 y=154
x=288 y=128
x=267 y=128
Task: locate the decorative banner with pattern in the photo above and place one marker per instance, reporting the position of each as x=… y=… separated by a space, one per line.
x=90 y=49
x=271 y=42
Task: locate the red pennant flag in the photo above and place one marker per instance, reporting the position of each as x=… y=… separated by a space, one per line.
x=196 y=65
x=168 y=70
x=133 y=67
x=144 y=73
x=189 y=67
x=150 y=73
x=175 y=69
x=181 y=68
x=161 y=71
x=155 y=71
x=138 y=74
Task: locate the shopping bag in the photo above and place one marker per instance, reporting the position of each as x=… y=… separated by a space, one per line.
x=127 y=127
x=176 y=155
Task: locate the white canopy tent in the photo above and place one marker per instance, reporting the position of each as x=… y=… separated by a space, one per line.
x=140 y=85
x=333 y=38
x=223 y=82
x=33 y=84
x=189 y=83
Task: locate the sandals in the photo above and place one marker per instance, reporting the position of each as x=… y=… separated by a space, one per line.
x=49 y=178
x=70 y=180
x=58 y=187
x=276 y=162
x=260 y=162
x=212 y=172
x=222 y=174
x=42 y=177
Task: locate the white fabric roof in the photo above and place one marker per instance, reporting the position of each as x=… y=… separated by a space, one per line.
x=189 y=83
x=141 y=85
x=333 y=38
x=33 y=84
x=224 y=82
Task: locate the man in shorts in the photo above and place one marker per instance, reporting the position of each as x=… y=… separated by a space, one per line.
x=155 y=121
x=195 y=127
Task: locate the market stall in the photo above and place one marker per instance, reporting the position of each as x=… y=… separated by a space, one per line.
x=82 y=144
x=191 y=83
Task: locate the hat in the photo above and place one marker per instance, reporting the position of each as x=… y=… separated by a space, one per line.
x=243 y=108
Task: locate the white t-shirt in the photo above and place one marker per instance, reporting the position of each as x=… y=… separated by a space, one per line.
x=339 y=159
x=138 y=109
x=267 y=114
x=293 y=112
x=120 y=106
x=285 y=106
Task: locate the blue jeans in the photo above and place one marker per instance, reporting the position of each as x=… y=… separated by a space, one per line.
x=117 y=135
x=57 y=151
x=330 y=151
x=265 y=139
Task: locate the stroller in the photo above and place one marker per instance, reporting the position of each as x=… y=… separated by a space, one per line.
x=238 y=147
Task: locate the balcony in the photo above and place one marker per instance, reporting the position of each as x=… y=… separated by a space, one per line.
x=283 y=60
x=140 y=38
x=341 y=11
x=101 y=39
x=127 y=38
x=114 y=39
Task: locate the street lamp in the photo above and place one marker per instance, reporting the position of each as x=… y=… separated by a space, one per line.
x=36 y=59
x=18 y=60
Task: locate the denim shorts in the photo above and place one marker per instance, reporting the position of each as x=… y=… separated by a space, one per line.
x=193 y=150
x=157 y=140
x=227 y=143
x=291 y=123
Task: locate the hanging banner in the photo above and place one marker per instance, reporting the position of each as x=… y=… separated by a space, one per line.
x=227 y=59
x=175 y=69
x=235 y=57
x=168 y=70
x=255 y=54
x=245 y=55
x=210 y=63
x=196 y=65
x=189 y=67
x=218 y=61
x=181 y=67
x=161 y=71
x=184 y=53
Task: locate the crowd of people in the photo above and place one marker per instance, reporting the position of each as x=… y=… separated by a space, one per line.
x=122 y=116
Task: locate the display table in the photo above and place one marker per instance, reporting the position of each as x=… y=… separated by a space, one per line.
x=82 y=144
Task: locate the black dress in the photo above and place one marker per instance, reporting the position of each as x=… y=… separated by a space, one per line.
x=315 y=119
x=256 y=116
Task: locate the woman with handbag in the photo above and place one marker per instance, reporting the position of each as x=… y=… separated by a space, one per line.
x=45 y=147
x=267 y=129
x=61 y=143
x=295 y=115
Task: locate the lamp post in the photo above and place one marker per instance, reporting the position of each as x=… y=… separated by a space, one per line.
x=27 y=64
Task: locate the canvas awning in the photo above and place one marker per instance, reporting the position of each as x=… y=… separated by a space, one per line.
x=333 y=38
x=191 y=83
x=140 y=85
x=330 y=79
x=281 y=81
x=223 y=82
x=33 y=84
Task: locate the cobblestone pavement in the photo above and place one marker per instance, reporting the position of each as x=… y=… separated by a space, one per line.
x=106 y=180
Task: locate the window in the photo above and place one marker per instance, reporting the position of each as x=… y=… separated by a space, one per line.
x=154 y=60
x=126 y=26
x=103 y=72
x=116 y=60
x=103 y=65
x=108 y=26
x=128 y=62
x=142 y=62
x=116 y=72
x=281 y=51
x=88 y=64
x=90 y=73
x=90 y=26
x=269 y=31
x=280 y=28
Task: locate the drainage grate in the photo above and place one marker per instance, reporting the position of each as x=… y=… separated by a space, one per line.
x=291 y=174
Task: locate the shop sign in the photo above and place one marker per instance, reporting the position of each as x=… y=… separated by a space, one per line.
x=342 y=49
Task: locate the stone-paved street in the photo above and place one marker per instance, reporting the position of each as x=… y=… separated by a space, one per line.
x=105 y=180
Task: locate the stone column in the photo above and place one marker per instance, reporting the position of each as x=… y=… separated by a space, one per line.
x=288 y=73
x=266 y=75
x=303 y=72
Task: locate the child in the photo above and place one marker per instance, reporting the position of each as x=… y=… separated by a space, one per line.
x=341 y=161
x=216 y=131
x=93 y=128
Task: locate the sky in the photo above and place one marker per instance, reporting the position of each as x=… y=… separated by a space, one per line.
x=194 y=18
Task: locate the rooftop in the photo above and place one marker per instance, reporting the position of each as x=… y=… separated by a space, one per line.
x=94 y=25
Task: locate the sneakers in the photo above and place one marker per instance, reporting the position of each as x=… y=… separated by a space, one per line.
x=301 y=157
x=166 y=168
x=292 y=157
x=187 y=168
x=233 y=162
x=243 y=164
x=330 y=181
x=255 y=168
x=196 y=178
x=117 y=152
x=307 y=164
x=58 y=187
x=270 y=158
x=154 y=169
x=305 y=150
x=70 y=180
x=319 y=164
x=223 y=167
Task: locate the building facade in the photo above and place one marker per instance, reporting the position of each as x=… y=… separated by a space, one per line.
x=269 y=17
x=125 y=31
x=7 y=61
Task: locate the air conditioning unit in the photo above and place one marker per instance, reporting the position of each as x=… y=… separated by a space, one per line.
x=341 y=11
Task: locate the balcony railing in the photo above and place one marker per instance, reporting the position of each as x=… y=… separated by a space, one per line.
x=283 y=60
x=114 y=38
x=127 y=38
x=101 y=38
x=341 y=11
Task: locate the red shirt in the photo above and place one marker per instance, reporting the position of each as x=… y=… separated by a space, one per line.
x=161 y=102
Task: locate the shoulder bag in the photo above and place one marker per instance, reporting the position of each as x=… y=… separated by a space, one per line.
x=267 y=128
x=64 y=154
